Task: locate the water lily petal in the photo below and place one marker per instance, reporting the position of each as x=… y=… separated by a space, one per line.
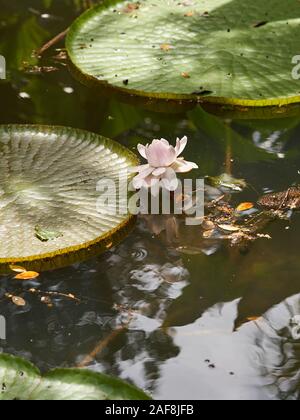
x=137 y=183
x=159 y=171
x=159 y=154
x=151 y=181
x=165 y=142
x=141 y=168
x=182 y=166
x=180 y=145
x=142 y=150
x=138 y=180
x=169 y=180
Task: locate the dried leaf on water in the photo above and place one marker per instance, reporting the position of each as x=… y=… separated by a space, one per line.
x=17 y=268
x=245 y=207
x=230 y=228
x=27 y=275
x=285 y=200
x=18 y=301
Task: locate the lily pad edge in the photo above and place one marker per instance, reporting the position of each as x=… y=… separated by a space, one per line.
x=67 y=256
x=91 y=81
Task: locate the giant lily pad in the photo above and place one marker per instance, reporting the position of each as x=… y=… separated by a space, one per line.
x=236 y=52
x=49 y=203
x=20 y=380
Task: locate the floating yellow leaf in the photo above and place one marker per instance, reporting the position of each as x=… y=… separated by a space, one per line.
x=245 y=207
x=27 y=275
x=17 y=268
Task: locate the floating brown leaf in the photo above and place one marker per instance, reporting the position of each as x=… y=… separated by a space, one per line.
x=17 y=268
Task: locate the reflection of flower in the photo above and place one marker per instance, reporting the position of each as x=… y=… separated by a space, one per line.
x=163 y=164
x=295 y=331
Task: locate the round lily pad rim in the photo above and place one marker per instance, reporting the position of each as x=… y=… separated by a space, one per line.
x=97 y=378
x=92 y=81
x=103 y=242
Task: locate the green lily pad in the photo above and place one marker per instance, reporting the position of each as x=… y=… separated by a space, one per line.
x=20 y=380
x=222 y=51
x=48 y=191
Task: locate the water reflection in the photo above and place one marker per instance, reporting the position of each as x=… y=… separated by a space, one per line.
x=259 y=361
x=137 y=281
x=126 y=320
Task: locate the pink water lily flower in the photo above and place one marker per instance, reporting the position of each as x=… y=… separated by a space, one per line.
x=163 y=164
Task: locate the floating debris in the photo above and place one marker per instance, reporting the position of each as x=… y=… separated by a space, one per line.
x=27 y=275
x=40 y=70
x=17 y=268
x=244 y=207
x=286 y=200
x=227 y=182
x=16 y=300
x=230 y=228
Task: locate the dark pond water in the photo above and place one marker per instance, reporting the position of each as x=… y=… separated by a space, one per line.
x=210 y=323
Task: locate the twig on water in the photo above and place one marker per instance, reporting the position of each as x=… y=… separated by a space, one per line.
x=51 y=43
x=101 y=346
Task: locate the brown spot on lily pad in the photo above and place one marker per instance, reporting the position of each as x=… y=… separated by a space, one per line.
x=131 y=7
x=166 y=47
x=189 y=14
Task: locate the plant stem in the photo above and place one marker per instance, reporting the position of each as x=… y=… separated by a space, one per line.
x=52 y=42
